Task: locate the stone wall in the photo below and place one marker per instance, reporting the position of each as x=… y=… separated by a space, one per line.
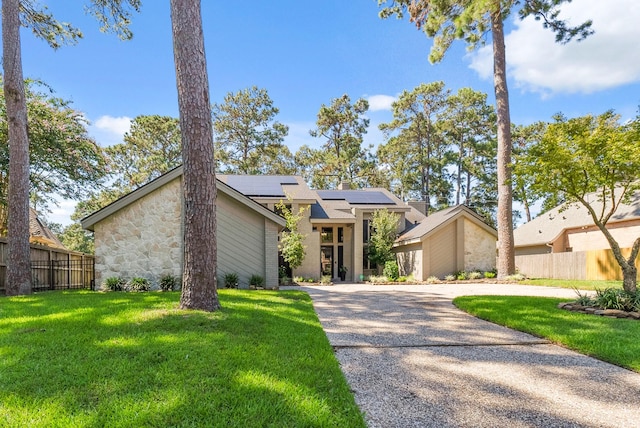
x=479 y=248
x=143 y=239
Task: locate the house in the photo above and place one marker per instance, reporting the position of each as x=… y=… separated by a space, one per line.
x=451 y=240
x=570 y=228
x=140 y=234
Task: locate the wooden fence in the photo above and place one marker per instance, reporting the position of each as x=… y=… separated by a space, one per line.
x=586 y=265
x=53 y=269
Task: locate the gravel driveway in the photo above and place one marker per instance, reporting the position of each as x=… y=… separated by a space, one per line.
x=413 y=360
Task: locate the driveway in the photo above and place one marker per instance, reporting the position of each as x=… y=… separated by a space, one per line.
x=413 y=360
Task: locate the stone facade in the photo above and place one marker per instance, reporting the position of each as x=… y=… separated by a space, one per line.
x=143 y=239
x=479 y=248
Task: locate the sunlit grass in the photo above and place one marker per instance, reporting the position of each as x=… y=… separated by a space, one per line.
x=134 y=359
x=609 y=339
x=571 y=283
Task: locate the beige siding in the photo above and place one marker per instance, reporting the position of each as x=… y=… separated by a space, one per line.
x=479 y=248
x=310 y=267
x=593 y=238
x=143 y=239
x=441 y=251
x=241 y=241
x=410 y=260
x=534 y=249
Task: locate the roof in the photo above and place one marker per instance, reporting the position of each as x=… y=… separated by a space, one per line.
x=40 y=233
x=439 y=219
x=547 y=227
x=274 y=187
x=89 y=221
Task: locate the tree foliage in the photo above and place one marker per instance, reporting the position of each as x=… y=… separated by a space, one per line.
x=585 y=156
x=248 y=138
x=291 y=240
x=384 y=225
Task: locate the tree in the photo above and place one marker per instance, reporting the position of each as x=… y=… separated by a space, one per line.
x=590 y=155
x=114 y=16
x=199 y=287
x=415 y=151
x=291 y=242
x=523 y=138
x=447 y=20
x=384 y=225
x=75 y=238
x=64 y=160
x=342 y=125
x=248 y=139
x=150 y=148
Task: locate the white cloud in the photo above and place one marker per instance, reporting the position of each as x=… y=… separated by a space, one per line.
x=109 y=130
x=606 y=59
x=380 y=102
x=62 y=212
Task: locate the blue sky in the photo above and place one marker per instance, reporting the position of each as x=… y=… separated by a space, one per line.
x=307 y=52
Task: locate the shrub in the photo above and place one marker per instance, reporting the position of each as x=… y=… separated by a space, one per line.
x=450 y=277
x=475 y=275
x=231 y=280
x=391 y=270
x=114 y=283
x=489 y=274
x=137 y=283
x=309 y=280
x=168 y=282
x=461 y=276
x=325 y=280
x=584 y=299
x=516 y=277
x=402 y=279
x=615 y=298
x=375 y=279
x=256 y=281
x=433 y=280
x=298 y=279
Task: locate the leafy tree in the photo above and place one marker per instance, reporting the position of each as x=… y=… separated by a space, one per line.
x=75 y=238
x=248 y=139
x=384 y=225
x=415 y=150
x=291 y=240
x=199 y=288
x=114 y=16
x=447 y=20
x=64 y=160
x=468 y=124
x=588 y=155
x=342 y=126
x=150 y=148
x=523 y=138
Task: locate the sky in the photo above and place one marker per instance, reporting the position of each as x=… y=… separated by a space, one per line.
x=305 y=53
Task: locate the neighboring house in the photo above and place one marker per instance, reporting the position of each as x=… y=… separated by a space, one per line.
x=40 y=234
x=448 y=241
x=140 y=234
x=570 y=228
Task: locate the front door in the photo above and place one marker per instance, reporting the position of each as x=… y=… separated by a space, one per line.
x=326 y=260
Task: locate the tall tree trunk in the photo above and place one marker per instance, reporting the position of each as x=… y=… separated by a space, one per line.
x=19 y=266
x=199 y=288
x=506 y=255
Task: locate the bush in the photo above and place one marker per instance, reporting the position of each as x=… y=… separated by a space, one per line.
x=391 y=270
x=231 y=280
x=489 y=274
x=475 y=275
x=298 y=279
x=402 y=279
x=309 y=280
x=256 y=281
x=433 y=280
x=168 y=282
x=584 y=299
x=462 y=276
x=516 y=277
x=325 y=280
x=615 y=298
x=450 y=277
x=114 y=283
x=137 y=284
x=375 y=279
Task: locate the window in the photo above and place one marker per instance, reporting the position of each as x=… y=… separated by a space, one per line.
x=341 y=234
x=366 y=230
x=326 y=236
x=366 y=263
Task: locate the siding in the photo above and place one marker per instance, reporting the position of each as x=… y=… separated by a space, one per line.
x=409 y=259
x=441 y=251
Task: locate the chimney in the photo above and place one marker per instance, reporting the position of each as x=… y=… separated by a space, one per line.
x=344 y=185
x=419 y=205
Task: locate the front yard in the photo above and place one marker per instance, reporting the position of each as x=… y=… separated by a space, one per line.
x=133 y=359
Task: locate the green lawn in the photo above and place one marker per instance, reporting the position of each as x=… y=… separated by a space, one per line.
x=86 y=359
x=570 y=283
x=608 y=339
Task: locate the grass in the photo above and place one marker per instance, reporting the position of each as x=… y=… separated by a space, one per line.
x=608 y=339
x=87 y=359
x=571 y=283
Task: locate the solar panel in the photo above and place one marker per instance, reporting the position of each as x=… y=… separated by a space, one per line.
x=356 y=197
x=260 y=185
